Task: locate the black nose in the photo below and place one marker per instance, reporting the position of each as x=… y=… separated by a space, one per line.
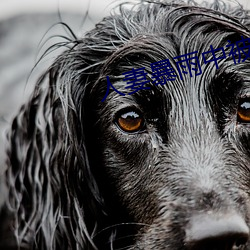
x=217 y=232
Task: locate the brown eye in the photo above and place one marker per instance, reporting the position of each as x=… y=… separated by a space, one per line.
x=130 y=121
x=243 y=113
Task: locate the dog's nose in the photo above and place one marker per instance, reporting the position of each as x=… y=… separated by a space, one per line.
x=217 y=232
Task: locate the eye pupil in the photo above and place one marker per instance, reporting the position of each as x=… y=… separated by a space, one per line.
x=243 y=113
x=130 y=121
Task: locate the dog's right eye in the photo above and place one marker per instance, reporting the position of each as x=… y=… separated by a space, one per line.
x=243 y=113
x=130 y=121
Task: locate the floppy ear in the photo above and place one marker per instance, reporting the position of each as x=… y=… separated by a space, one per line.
x=54 y=198
x=51 y=186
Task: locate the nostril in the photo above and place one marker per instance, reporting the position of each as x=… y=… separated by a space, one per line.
x=240 y=242
x=223 y=242
x=217 y=232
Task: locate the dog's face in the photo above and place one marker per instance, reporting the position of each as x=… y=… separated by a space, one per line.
x=178 y=154
x=163 y=168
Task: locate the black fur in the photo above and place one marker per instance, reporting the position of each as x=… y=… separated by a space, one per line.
x=77 y=181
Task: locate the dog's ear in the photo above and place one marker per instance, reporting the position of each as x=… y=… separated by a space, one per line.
x=51 y=186
x=53 y=197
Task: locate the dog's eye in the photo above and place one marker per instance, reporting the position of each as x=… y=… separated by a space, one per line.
x=130 y=121
x=243 y=113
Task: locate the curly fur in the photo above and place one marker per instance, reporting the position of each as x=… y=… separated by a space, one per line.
x=75 y=181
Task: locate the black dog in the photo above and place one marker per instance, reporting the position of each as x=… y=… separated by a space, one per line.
x=163 y=168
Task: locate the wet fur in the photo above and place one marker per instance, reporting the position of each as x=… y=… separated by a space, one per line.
x=76 y=181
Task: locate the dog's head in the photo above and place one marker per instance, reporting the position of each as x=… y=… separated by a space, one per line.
x=164 y=167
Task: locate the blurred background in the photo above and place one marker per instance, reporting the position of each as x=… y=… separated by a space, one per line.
x=25 y=27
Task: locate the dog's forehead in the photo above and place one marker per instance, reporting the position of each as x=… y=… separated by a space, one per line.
x=188 y=38
x=229 y=79
x=195 y=49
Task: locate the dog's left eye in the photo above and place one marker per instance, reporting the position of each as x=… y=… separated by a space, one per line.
x=243 y=113
x=130 y=121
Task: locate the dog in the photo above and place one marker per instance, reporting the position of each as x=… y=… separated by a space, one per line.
x=158 y=165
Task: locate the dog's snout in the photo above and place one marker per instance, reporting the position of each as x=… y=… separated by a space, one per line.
x=217 y=232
